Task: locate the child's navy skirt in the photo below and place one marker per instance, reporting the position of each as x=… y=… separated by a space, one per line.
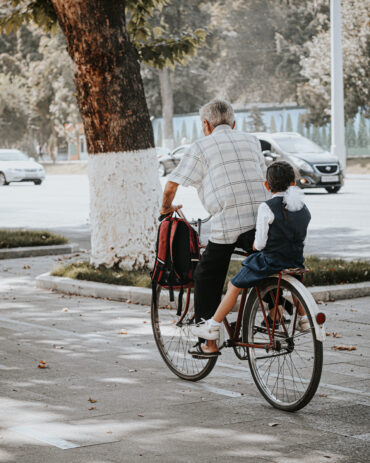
x=255 y=268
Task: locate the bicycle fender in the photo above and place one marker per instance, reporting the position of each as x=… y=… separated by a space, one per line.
x=312 y=306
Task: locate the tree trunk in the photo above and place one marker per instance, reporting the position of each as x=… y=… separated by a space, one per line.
x=167 y=107
x=124 y=185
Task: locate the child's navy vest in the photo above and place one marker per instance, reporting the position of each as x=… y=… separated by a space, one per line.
x=286 y=233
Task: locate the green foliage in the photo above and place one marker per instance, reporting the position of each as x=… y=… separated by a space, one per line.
x=322 y=272
x=101 y=274
x=18 y=12
x=23 y=238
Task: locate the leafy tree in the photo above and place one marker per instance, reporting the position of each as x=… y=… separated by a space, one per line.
x=106 y=41
x=314 y=93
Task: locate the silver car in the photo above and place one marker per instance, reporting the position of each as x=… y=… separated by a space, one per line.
x=16 y=166
x=169 y=161
x=315 y=167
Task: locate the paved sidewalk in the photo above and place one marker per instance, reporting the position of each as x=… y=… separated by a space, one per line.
x=144 y=413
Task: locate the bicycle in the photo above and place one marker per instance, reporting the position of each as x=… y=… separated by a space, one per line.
x=285 y=363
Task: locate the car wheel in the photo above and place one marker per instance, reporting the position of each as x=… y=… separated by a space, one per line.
x=37 y=182
x=3 y=181
x=333 y=189
x=161 y=169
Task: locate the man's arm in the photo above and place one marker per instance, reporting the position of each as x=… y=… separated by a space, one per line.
x=168 y=195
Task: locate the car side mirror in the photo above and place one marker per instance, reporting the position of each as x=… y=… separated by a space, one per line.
x=269 y=156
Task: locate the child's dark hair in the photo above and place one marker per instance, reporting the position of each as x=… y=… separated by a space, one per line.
x=279 y=176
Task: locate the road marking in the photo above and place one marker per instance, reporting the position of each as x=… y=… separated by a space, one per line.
x=328 y=386
x=42 y=437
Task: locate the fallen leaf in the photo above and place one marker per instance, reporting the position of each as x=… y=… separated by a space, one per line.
x=273 y=424
x=336 y=335
x=323 y=395
x=144 y=321
x=353 y=310
x=142 y=416
x=132 y=371
x=349 y=348
x=65 y=309
x=328 y=334
x=109 y=432
x=26 y=267
x=42 y=364
x=92 y=408
x=93 y=401
x=148 y=311
x=122 y=332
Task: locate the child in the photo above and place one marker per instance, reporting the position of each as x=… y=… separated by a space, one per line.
x=281 y=229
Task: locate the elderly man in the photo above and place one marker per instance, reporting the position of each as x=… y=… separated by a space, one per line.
x=228 y=170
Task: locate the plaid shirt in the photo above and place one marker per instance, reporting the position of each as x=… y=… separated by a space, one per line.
x=228 y=170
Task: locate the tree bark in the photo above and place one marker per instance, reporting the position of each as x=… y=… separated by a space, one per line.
x=123 y=169
x=110 y=92
x=167 y=107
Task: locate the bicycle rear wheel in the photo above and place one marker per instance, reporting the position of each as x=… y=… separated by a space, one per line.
x=173 y=336
x=288 y=374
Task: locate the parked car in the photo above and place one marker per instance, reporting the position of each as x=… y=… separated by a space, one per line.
x=315 y=167
x=16 y=166
x=169 y=161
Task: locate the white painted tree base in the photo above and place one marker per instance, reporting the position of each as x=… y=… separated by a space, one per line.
x=125 y=197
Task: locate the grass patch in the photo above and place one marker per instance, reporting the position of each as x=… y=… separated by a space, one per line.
x=101 y=274
x=22 y=238
x=323 y=272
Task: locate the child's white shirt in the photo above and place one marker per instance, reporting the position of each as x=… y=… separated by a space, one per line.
x=293 y=198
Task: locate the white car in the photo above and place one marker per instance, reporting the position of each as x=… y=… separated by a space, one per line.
x=16 y=166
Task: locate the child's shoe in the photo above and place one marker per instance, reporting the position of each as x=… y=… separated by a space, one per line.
x=303 y=323
x=207 y=329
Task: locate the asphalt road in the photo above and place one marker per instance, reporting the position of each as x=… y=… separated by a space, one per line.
x=109 y=398
x=339 y=228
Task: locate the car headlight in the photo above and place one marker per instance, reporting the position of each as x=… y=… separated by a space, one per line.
x=301 y=164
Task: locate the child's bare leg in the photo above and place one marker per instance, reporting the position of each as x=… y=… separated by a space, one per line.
x=223 y=309
x=227 y=302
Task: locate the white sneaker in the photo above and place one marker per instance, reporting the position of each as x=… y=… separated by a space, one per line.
x=206 y=330
x=303 y=324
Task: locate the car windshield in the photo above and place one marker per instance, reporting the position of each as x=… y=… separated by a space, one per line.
x=13 y=156
x=298 y=145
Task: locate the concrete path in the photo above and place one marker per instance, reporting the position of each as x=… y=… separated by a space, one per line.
x=108 y=397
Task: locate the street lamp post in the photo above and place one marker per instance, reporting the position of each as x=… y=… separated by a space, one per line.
x=338 y=147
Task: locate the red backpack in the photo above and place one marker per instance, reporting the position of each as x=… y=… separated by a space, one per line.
x=177 y=254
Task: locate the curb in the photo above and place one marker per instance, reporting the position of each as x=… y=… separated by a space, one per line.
x=33 y=251
x=143 y=295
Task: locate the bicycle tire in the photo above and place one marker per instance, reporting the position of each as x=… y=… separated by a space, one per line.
x=174 y=351
x=303 y=389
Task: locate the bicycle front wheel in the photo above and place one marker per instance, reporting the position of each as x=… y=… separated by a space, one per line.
x=173 y=335
x=288 y=373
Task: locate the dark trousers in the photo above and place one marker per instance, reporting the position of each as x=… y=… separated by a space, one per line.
x=211 y=271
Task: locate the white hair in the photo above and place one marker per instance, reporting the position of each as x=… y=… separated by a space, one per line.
x=217 y=112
